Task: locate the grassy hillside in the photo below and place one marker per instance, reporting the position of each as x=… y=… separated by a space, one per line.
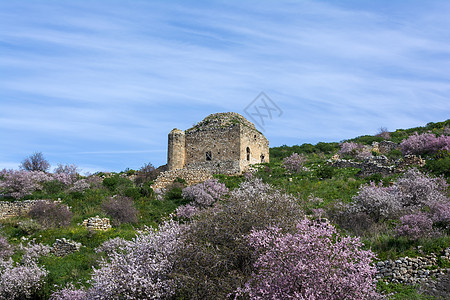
x=128 y=200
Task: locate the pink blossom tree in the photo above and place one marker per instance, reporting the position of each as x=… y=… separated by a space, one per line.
x=314 y=262
x=294 y=163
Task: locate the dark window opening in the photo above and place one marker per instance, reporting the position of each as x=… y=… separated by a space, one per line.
x=263 y=158
x=208 y=155
x=248 y=153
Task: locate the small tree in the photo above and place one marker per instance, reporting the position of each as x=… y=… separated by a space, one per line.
x=294 y=163
x=314 y=262
x=51 y=214
x=35 y=162
x=146 y=173
x=121 y=209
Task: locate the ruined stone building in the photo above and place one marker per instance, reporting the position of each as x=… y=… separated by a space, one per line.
x=224 y=143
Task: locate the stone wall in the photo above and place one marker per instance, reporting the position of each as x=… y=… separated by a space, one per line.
x=97 y=223
x=217 y=167
x=377 y=164
x=254 y=147
x=63 y=247
x=15 y=208
x=412 y=270
x=191 y=176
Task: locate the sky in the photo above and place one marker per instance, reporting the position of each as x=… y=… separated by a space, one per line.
x=101 y=83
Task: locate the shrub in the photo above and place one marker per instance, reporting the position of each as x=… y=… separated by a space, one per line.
x=440 y=166
x=51 y=214
x=415 y=226
x=417 y=189
x=314 y=262
x=350 y=148
x=6 y=250
x=80 y=186
x=121 y=209
x=440 y=214
x=28 y=227
x=146 y=173
x=35 y=162
x=21 y=183
x=325 y=172
x=20 y=281
x=425 y=143
x=376 y=201
x=141 y=268
x=216 y=259
x=206 y=193
x=294 y=163
x=70 y=293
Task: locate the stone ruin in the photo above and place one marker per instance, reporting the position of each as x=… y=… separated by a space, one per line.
x=63 y=247
x=97 y=223
x=223 y=143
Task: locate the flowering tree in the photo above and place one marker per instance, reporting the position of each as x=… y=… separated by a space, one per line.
x=376 y=201
x=6 y=250
x=205 y=193
x=51 y=214
x=412 y=191
x=201 y=195
x=425 y=143
x=350 y=148
x=23 y=279
x=139 y=269
x=215 y=258
x=314 y=262
x=414 y=226
x=35 y=162
x=294 y=163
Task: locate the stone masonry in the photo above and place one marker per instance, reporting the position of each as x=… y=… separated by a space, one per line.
x=97 y=223
x=15 y=208
x=191 y=176
x=63 y=247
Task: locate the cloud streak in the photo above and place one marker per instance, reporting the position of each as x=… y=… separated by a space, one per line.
x=109 y=78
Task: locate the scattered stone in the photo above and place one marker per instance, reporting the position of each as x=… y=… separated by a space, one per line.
x=97 y=223
x=63 y=247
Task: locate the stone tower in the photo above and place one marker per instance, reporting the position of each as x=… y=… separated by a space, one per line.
x=176 y=149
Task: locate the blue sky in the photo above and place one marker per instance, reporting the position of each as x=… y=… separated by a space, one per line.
x=101 y=83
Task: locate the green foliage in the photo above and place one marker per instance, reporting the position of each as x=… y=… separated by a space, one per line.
x=117 y=183
x=53 y=187
x=439 y=166
x=399 y=291
x=366 y=139
x=278 y=153
x=394 y=154
x=231 y=182
x=325 y=172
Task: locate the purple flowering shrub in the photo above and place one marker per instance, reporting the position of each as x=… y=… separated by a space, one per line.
x=415 y=226
x=314 y=262
x=70 y=293
x=425 y=143
x=6 y=250
x=121 y=209
x=376 y=201
x=19 y=183
x=51 y=214
x=20 y=281
x=350 y=148
x=140 y=268
x=201 y=195
x=294 y=163
x=440 y=213
x=80 y=186
x=216 y=259
x=24 y=279
x=412 y=191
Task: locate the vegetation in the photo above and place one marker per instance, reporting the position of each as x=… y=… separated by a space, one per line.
x=258 y=235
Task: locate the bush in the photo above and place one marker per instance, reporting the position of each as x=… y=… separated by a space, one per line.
x=121 y=209
x=28 y=227
x=425 y=143
x=141 y=268
x=21 y=183
x=294 y=163
x=415 y=226
x=216 y=259
x=314 y=262
x=146 y=173
x=51 y=214
x=206 y=193
x=440 y=166
x=325 y=172
x=6 y=250
x=35 y=162
x=350 y=148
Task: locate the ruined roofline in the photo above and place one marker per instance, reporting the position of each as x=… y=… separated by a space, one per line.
x=221 y=121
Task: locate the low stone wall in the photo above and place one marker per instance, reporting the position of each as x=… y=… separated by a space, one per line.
x=412 y=270
x=193 y=176
x=63 y=247
x=16 y=208
x=377 y=164
x=97 y=223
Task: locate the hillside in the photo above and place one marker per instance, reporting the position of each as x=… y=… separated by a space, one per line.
x=389 y=191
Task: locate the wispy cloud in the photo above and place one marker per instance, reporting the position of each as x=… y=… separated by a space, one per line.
x=103 y=82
